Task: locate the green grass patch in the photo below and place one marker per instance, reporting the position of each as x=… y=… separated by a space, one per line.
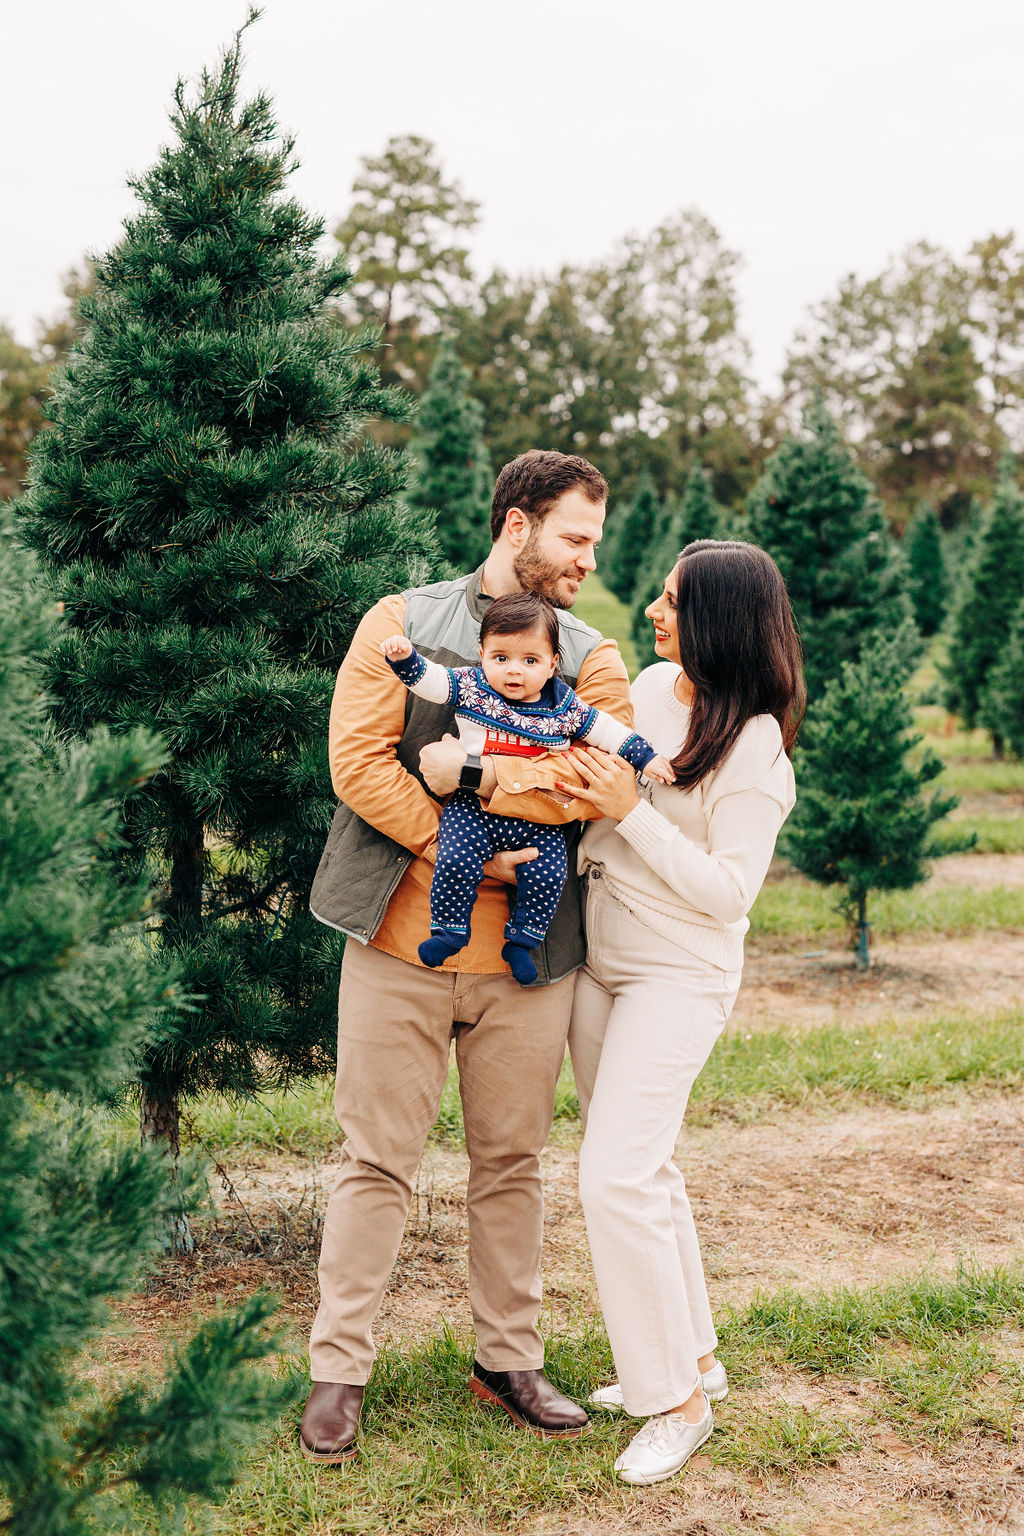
x=747 y=1077
x=601 y=609
x=918 y=1340
x=794 y=908
x=299 y=1120
x=992 y=834
x=953 y=745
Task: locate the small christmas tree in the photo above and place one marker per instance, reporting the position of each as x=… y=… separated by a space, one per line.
x=1002 y=702
x=987 y=599
x=927 y=578
x=862 y=821
x=216 y=524
x=631 y=536
x=451 y=476
x=697 y=516
x=815 y=513
x=80 y=1222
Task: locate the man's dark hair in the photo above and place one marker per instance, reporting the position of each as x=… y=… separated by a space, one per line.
x=519 y=612
x=534 y=481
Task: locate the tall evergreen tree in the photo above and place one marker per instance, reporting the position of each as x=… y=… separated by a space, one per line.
x=862 y=819
x=988 y=598
x=696 y=516
x=814 y=511
x=215 y=524
x=927 y=577
x=81 y=1222
x=451 y=475
x=1002 y=700
x=631 y=536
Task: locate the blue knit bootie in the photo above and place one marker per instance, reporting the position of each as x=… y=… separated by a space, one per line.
x=435 y=950
x=516 y=955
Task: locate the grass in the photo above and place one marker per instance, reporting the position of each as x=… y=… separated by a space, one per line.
x=601 y=609
x=434 y=1462
x=794 y=908
x=992 y=834
x=747 y=1077
x=917 y=1340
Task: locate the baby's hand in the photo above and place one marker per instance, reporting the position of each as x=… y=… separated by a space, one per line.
x=396 y=648
x=661 y=769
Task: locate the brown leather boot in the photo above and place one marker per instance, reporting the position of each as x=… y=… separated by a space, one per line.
x=331 y=1422
x=530 y=1401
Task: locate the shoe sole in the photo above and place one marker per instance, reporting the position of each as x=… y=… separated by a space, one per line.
x=712 y=1397
x=492 y=1399
x=662 y=1477
x=329 y=1458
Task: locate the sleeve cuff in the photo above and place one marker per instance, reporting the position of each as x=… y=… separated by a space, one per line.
x=644 y=828
x=636 y=751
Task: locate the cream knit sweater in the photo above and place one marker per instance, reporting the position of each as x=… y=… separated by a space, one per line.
x=690 y=863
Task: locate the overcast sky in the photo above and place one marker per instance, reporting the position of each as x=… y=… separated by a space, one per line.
x=819 y=137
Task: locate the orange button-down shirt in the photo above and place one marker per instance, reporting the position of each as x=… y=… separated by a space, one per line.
x=366 y=725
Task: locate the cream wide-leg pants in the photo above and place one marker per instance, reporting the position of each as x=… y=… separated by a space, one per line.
x=646 y=1015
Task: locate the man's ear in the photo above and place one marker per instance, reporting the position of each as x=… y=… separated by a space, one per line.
x=517 y=526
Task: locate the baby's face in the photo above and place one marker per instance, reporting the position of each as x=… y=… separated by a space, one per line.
x=518 y=666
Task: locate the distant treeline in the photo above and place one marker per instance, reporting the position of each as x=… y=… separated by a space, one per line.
x=638 y=361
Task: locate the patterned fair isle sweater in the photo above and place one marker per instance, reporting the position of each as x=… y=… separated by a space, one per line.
x=488 y=723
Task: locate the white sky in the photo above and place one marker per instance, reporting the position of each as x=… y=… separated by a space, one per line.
x=819 y=137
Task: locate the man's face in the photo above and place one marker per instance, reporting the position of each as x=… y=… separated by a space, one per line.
x=561 y=550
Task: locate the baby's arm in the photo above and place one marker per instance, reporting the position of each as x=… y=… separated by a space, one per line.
x=422 y=677
x=608 y=734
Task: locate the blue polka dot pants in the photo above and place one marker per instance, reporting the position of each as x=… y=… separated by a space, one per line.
x=469 y=836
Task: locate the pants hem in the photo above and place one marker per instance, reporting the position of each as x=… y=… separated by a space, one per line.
x=510 y=1365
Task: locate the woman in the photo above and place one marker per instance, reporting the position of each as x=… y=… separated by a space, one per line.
x=671 y=873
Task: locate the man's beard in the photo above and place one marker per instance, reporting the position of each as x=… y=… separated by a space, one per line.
x=535 y=574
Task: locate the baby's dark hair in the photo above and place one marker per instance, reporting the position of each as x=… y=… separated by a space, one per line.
x=518 y=612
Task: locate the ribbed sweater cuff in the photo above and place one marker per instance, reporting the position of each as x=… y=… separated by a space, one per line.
x=644 y=828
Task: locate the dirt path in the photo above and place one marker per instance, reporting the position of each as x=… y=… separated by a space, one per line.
x=909 y=978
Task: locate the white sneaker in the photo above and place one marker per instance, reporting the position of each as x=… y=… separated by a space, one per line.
x=663 y=1446
x=715 y=1384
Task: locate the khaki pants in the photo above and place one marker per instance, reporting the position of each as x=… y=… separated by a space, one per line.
x=396 y=1022
x=645 y=1019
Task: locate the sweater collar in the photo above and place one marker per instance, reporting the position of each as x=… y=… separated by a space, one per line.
x=477 y=600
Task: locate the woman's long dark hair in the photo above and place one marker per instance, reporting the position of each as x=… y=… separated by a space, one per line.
x=739 y=647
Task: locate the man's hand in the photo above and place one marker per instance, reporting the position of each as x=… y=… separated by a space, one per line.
x=503 y=865
x=441 y=763
x=397 y=647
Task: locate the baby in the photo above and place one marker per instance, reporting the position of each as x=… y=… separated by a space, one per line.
x=511 y=704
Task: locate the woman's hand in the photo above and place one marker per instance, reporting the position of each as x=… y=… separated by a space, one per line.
x=610 y=782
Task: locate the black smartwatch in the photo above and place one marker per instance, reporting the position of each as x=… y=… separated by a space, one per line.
x=472 y=774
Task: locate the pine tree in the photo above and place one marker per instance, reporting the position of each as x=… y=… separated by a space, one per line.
x=927 y=578
x=215 y=523
x=862 y=820
x=696 y=516
x=451 y=476
x=1002 y=701
x=988 y=599
x=631 y=537
x=81 y=1221
x=814 y=511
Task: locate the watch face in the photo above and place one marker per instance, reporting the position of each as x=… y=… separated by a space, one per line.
x=472 y=774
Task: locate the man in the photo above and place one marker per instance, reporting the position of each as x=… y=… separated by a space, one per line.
x=396 y=1017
